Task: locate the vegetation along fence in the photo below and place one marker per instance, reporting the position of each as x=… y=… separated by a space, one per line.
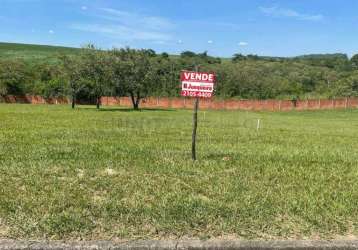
x=214 y=104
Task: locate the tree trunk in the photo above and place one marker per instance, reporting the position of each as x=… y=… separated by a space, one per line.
x=135 y=101
x=73 y=101
x=195 y=126
x=98 y=102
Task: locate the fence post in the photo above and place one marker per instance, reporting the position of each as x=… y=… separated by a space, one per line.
x=346 y=104
x=279 y=105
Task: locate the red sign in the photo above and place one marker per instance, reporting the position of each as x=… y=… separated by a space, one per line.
x=197 y=84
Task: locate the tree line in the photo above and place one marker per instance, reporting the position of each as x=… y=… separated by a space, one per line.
x=93 y=73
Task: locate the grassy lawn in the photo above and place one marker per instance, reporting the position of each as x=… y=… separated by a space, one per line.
x=117 y=174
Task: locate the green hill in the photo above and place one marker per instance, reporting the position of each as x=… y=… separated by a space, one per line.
x=31 y=52
x=39 y=52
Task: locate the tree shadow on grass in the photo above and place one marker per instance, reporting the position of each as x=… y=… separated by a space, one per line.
x=125 y=109
x=132 y=110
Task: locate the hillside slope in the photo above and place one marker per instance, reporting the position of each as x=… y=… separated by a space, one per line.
x=32 y=52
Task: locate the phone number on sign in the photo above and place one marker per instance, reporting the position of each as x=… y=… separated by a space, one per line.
x=196 y=94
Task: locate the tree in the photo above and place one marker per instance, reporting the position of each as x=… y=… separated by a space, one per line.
x=74 y=74
x=98 y=72
x=188 y=53
x=164 y=55
x=3 y=88
x=51 y=81
x=238 y=57
x=136 y=73
x=13 y=77
x=3 y=79
x=354 y=61
x=253 y=57
x=347 y=86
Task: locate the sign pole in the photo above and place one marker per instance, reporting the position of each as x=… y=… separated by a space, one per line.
x=195 y=126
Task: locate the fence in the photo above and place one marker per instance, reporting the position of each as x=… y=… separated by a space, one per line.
x=210 y=104
x=230 y=104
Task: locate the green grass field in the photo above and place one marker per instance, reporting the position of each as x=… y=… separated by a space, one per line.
x=118 y=174
x=41 y=53
x=31 y=52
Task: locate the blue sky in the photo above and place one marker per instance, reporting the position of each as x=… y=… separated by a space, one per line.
x=221 y=27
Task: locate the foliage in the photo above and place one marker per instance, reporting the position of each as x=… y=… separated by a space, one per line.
x=14 y=75
x=90 y=73
x=51 y=81
x=354 y=61
x=74 y=76
x=347 y=86
x=137 y=73
x=98 y=73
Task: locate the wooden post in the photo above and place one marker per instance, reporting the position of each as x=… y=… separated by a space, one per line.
x=195 y=125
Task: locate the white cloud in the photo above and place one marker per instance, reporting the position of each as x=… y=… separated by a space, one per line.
x=242 y=44
x=180 y=41
x=51 y=32
x=122 y=32
x=128 y=26
x=136 y=20
x=84 y=8
x=276 y=11
x=210 y=42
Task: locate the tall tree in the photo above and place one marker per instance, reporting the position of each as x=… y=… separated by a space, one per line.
x=136 y=73
x=75 y=76
x=98 y=72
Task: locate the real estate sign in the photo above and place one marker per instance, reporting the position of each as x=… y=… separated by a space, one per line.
x=197 y=84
